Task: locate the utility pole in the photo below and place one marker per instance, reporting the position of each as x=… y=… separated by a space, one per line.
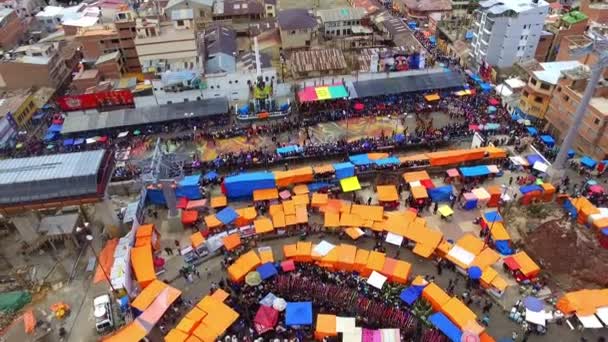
x=598 y=45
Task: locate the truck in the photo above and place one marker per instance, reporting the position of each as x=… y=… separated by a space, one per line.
x=102 y=310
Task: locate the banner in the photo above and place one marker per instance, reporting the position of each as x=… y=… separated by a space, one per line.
x=99 y=100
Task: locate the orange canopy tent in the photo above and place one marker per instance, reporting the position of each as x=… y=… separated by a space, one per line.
x=413 y=158
x=266 y=254
x=265 y=194
x=401 y=272
x=527 y=266
x=435 y=296
x=458 y=312
x=301 y=214
x=196 y=314
x=387 y=193
x=189 y=216
x=303 y=251
x=300 y=189
x=274 y=208
x=289 y=251
x=290 y=220
x=220 y=295
x=278 y=219
x=486 y=258
x=197 y=239
x=361 y=260
x=368 y=212
x=375 y=261
x=301 y=199
x=212 y=222
x=232 y=241
x=319 y=199
x=263 y=225
x=331 y=220
x=326 y=326
x=471 y=243
x=415 y=176
x=419 y=192
x=106 y=260
x=219 y=201
x=354 y=233
x=143 y=265
x=289 y=207
x=328 y=168
x=246 y=216
x=175 y=335
x=148 y=295
x=346 y=257
x=350 y=220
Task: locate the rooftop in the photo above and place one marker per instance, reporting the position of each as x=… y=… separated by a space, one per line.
x=4 y=12
x=86 y=74
x=173 y=3
x=574 y=17
x=429 y=5
x=296 y=19
x=340 y=14
x=81 y=22
x=262 y=26
x=552 y=71
x=107 y=57
x=220 y=39
x=371 y=6
x=182 y=14
x=58 y=225
x=517 y=6
x=317 y=60
x=242 y=7
x=11 y=101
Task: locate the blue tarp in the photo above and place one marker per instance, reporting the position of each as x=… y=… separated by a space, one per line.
x=399 y=137
x=474 y=171
x=533 y=158
x=227 y=215
x=244 y=110
x=474 y=272
x=548 y=140
x=189 y=187
x=387 y=161
x=50 y=136
x=298 y=313
x=604 y=231
x=55 y=128
x=360 y=159
x=443 y=323
x=588 y=162
x=156 y=196
x=569 y=207
x=533 y=131
x=243 y=185
x=492 y=216
x=571 y=153
x=470 y=204
x=485 y=87
x=211 y=176
x=289 y=149
x=412 y=24
x=468 y=35
x=267 y=270
x=502 y=246
x=314 y=187
x=432 y=40
x=441 y=194
x=411 y=294
x=78 y=141
x=68 y=142
x=491 y=127
x=344 y=170
x=491 y=109
x=529 y=188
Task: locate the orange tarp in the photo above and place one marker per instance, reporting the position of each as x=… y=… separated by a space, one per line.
x=435 y=296
x=144 y=230
x=331 y=220
x=487 y=276
x=389 y=267
x=548 y=188
x=337 y=206
x=600 y=223
x=290 y=220
x=274 y=208
x=278 y=219
x=301 y=199
x=266 y=254
x=494 y=152
x=361 y=260
x=350 y=220
x=423 y=250
x=583 y=301
x=379 y=226
x=346 y=257
x=143 y=265
x=471 y=243
x=236 y=272
x=205 y=333
x=375 y=262
x=143 y=241
x=387 y=193
x=187 y=325
x=499 y=232
x=106 y=260
x=458 y=312
x=353 y=233
x=415 y=176
x=527 y=266
x=29 y=321
x=289 y=251
x=326 y=326
x=399 y=224
x=263 y=225
x=499 y=283
x=444 y=248
x=148 y=295
x=377 y=155
x=419 y=192
x=301 y=214
x=368 y=212
x=327 y=168
x=246 y=216
x=303 y=251
x=196 y=314
x=289 y=207
x=130 y=332
x=250 y=260
x=486 y=258
x=319 y=199
x=300 y=175
x=265 y=194
x=232 y=241
x=212 y=222
x=197 y=239
x=220 y=295
x=219 y=201
x=401 y=272
x=300 y=189
x=330 y=260
x=175 y=335
x=454 y=156
x=416 y=157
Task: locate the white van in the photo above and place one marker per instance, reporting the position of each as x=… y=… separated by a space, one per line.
x=104 y=317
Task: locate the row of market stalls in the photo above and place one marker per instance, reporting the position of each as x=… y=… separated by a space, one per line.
x=589 y=306
x=581 y=209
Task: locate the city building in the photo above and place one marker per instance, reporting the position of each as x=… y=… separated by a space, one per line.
x=23 y=8
x=202 y=10
x=317 y=62
x=239 y=11
x=543 y=50
x=506 y=32
x=125 y=23
x=12 y=29
x=421 y=9
x=510 y=93
x=52 y=17
x=217 y=45
x=84 y=80
x=566 y=24
x=592 y=137
x=461 y=8
x=17 y=108
x=296 y=27
x=370 y=6
x=396 y=31
x=537 y=94
x=341 y=22
x=110 y=66
x=39 y=65
x=597 y=10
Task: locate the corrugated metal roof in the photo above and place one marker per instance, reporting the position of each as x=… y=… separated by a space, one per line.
x=296 y=19
x=340 y=14
x=48 y=177
x=182 y=14
x=410 y=83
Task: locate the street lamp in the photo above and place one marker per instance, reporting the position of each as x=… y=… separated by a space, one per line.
x=598 y=45
x=89 y=238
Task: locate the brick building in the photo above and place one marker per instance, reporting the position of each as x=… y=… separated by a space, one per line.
x=11 y=29
x=40 y=65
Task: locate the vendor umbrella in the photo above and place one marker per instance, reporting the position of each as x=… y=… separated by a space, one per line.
x=279 y=304
x=265 y=319
x=474 y=272
x=137 y=132
x=469 y=337
x=359 y=106
x=533 y=304
x=253 y=279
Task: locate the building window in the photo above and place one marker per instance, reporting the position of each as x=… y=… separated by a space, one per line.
x=525 y=93
x=545 y=86
x=559 y=89
x=533 y=81
x=566 y=98
x=180 y=23
x=538 y=99
x=596 y=121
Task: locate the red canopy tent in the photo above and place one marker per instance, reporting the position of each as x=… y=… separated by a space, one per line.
x=182 y=203
x=189 y=216
x=493 y=102
x=359 y=106
x=265 y=319
x=288 y=266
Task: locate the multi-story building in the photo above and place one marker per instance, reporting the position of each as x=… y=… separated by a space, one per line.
x=506 y=32
x=537 y=94
x=11 y=29
x=127 y=32
x=17 y=108
x=39 y=65
x=592 y=137
x=296 y=27
x=217 y=45
x=567 y=24
x=421 y=9
x=53 y=17
x=597 y=10
x=202 y=10
x=23 y=8
x=340 y=22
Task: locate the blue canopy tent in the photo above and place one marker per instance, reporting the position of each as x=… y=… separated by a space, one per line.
x=243 y=185
x=412 y=25
x=68 y=142
x=244 y=110
x=492 y=216
x=533 y=131
x=211 y=176
x=441 y=193
x=360 y=159
x=570 y=208
x=189 y=187
x=529 y=188
x=50 y=136
x=533 y=158
x=227 y=215
x=443 y=323
x=284 y=107
x=491 y=109
x=289 y=149
x=476 y=78
x=79 y=141
x=571 y=153
x=387 y=161
x=55 y=128
x=474 y=272
x=468 y=35
x=474 y=171
x=314 y=187
x=267 y=270
x=156 y=196
x=548 y=140
x=399 y=137
x=491 y=127
x=298 y=313
x=433 y=40
x=344 y=170
x=485 y=87
x=411 y=294
x=588 y=162
x=502 y=246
